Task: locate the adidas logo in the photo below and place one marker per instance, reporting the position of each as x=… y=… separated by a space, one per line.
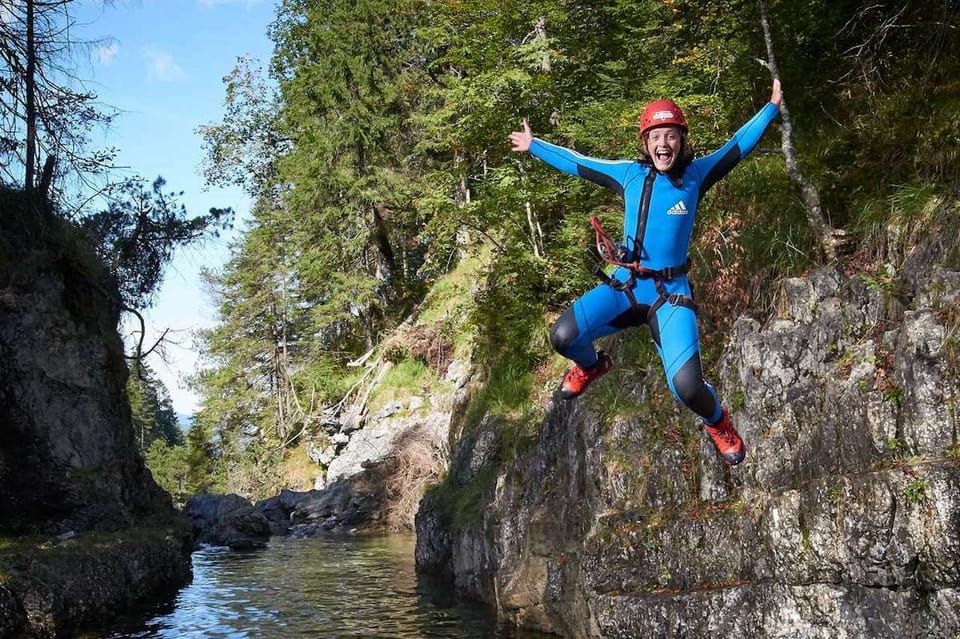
x=677 y=209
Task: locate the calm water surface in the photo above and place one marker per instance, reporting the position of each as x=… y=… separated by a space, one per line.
x=318 y=588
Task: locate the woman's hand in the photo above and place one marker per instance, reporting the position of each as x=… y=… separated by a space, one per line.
x=521 y=140
x=776 y=95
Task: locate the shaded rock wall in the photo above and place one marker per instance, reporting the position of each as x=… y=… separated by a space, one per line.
x=844 y=519
x=84 y=529
x=68 y=459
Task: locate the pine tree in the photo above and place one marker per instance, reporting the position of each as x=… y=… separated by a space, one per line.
x=46 y=112
x=154 y=418
x=349 y=80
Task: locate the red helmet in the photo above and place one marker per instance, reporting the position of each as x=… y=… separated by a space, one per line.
x=661 y=113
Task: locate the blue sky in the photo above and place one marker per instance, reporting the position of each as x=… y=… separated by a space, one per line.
x=162 y=63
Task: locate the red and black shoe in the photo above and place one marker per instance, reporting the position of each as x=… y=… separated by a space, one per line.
x=577 y=379
x=726 y=440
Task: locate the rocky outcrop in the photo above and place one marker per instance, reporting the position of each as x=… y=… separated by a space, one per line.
x=68 y=459
x=85 y=529
x=378 y=485
x=379 y=456
x=843 y=521
x=374 y=479
x=342 y=506
x=227 y=520
x=384 y=433
x=52 y=588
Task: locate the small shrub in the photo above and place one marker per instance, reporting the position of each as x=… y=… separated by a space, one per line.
x=893 y=395
x=895 y=447
x=835 y=494
x=738 y=400
x=916 y=491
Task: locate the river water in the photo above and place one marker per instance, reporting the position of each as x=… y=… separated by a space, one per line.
x=323 y=587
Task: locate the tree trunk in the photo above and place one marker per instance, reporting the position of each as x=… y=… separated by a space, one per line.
x=536 y=232
x=540 y=33
x=381 y=236
x=46 y=176
x=828 y=238
x=31 y=90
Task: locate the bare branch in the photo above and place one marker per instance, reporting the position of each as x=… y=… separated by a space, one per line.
x=140 y=354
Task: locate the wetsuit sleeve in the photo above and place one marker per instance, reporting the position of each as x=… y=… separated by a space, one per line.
x=716 y=165
x=608 y=173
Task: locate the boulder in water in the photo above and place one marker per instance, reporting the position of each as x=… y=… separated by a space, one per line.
x=227 y=520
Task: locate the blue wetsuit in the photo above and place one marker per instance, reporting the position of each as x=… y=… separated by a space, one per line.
x=658 y=218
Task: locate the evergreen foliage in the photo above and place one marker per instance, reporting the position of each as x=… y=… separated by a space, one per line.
x=157 y=430
x=153 y=416
x=170 y=469
x=137 y=233
x=381 y=159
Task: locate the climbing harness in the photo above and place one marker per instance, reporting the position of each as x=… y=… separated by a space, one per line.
x=616 y=255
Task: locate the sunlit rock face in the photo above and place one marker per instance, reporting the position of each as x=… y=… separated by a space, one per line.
x=68 y=457
x=844 y=520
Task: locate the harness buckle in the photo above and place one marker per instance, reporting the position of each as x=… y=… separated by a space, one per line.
x=667 y=274
x=613 y=282
x=618 y=285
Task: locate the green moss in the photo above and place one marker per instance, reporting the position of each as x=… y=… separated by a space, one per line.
x=17 y=553
x=738 y=399
x=835 y=494
x=507 y=388
x=895 y=448
x=893 y=395
x=449 y=291
x=471 y=500
x=461 y=507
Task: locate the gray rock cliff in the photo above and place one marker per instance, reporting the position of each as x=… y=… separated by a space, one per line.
x=68 y=459
x=844 y=520
x=85 y=529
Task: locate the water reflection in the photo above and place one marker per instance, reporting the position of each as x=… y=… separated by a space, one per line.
x=318 y=588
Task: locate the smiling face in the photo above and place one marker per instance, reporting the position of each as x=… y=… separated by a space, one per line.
x=663 y=145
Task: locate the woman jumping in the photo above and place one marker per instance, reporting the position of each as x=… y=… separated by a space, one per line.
x=661 y=192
